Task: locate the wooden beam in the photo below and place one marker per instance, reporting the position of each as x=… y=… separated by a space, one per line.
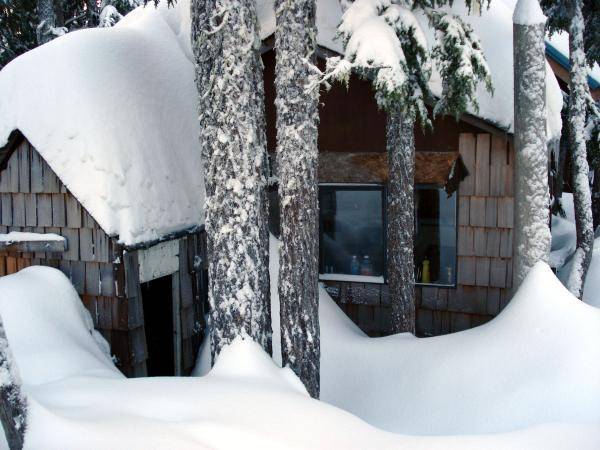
x=33 y=246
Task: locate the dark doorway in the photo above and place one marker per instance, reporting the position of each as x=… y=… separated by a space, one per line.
x=157 y=298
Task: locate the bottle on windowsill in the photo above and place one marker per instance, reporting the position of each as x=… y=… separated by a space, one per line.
x=425 y=277
x=354 y=265
x=366 y=267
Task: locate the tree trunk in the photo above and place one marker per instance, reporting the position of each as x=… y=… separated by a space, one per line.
x=46 y=22
x=297 y=151
x=231 y=112
x=576 y=121
x=596 y=198
x=401 y=219
x=13 y=406
x=92 y=13
x=532 y=198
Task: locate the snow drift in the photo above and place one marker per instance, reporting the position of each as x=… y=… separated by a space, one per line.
x=536 y=364
x=78 y=400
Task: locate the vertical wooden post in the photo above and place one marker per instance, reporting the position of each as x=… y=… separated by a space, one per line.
x=176 y=304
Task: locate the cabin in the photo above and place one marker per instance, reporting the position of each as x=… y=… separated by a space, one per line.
x=147 y=299
x=463 y=209
x=464 y=188
x=110 y=191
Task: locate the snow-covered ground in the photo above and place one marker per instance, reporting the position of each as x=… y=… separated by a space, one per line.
x=529 y=379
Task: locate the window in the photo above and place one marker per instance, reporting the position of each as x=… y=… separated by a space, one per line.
x=352 y=234
x=435 y=236
x=352 y=231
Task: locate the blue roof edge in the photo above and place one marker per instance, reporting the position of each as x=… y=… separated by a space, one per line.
x=563 y=60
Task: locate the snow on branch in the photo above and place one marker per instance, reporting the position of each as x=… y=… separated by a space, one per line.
x=384 y=41
x=461 y=63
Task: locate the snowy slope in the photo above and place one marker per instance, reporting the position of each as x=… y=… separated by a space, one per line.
x=564 y=241
x=113 y=112
x=78 y=400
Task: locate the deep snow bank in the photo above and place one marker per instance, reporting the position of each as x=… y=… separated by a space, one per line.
x=564 y=243
x=78 y=400
x=537 y=363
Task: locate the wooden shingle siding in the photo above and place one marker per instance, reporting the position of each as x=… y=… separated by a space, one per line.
x=484 y=252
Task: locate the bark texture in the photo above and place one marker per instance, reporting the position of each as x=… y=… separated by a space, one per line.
x=582 y=198
x=13 y=406
x=532 y=196
x=231 y=112
x=46 y=21
x=297 y=161
x=401 y=219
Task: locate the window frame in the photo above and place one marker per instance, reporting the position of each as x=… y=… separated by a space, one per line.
x=425 y=186
x=381 y=279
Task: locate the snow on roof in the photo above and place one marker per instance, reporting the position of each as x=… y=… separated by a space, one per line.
x=494 y=27
x=560 y=43
x=113 y=112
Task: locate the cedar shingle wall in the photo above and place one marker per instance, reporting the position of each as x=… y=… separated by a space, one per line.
x=484 y=249
x=32 y=198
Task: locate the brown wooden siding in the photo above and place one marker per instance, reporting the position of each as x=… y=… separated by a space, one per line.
x=350 y=120
x=484 y=252
x=32 y=198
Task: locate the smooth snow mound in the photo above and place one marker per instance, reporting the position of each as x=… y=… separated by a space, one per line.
x=113 y=112
x=78 y=400
x=532 y=372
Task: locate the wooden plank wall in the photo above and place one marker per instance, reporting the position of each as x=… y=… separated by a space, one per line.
x=192 y=288
x=484 y=249
x=34 y=199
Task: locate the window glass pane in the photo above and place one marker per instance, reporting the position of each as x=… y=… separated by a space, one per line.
x=351 y=230
x=435 y=240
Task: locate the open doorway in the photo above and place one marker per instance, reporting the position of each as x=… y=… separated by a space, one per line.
x=157 y=299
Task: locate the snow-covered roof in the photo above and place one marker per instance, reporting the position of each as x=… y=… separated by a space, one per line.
x=113 y=111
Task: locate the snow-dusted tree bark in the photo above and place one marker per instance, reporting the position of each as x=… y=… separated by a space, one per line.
x=297 y=161
x=46 y=21
x=401 y=220
x=532 y=199
x=231 y=100
x=576 y=122
x=13 y=406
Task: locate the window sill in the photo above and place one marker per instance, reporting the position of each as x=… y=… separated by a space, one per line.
x=436 y=285
x=351 y=278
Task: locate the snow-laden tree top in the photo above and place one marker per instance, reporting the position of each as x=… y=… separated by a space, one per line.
x=113 y=111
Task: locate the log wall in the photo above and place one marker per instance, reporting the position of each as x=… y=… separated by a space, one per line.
x=484 y=252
